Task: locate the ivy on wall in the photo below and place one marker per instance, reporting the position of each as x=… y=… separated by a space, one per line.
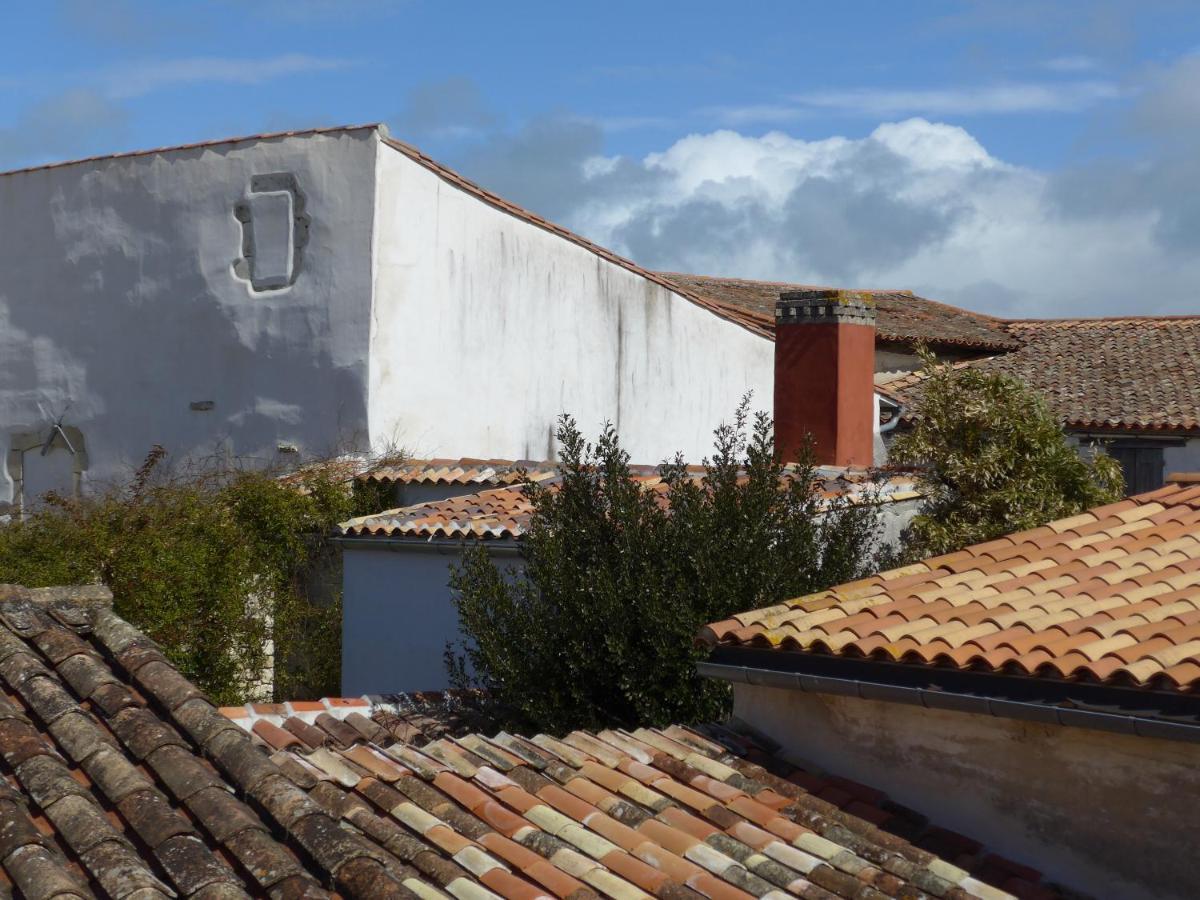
x=233 y=572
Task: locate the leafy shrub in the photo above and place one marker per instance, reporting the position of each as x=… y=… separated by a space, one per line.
x=993 y=460
x=599 y=627
x=221 y=568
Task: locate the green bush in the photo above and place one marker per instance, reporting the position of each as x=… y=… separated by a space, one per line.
x=599 y=629
x=993 y=459
x=216 y=567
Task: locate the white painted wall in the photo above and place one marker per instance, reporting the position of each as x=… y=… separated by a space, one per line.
x=118 y=302
x=397 y=615
x=486 y=327
x=1111 y=815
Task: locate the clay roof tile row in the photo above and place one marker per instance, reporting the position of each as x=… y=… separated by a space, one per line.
x=1100 y=374
x=1109 y=595
x=505 y=512
x=901 y=316
x=118 y=778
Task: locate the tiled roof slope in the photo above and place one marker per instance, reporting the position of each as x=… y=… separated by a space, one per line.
x=900 y=315
x=119 y=779
x=505 y=512
x=498 y=513
x=465 y=470
x=1111 y=595
x=673 y=813
x=1103 y=374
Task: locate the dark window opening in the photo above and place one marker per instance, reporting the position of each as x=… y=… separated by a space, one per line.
x=1141 y=465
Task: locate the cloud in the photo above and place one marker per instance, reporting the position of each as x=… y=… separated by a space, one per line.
x=1160 y=186
x=996 y=99
x=143 y=77
x=453 y=108
x=915 y=204
x=65 y=124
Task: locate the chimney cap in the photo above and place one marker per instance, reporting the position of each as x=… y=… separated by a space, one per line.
x=825 y=305
x=830 y=295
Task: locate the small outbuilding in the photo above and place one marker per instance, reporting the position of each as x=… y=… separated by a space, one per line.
x=398 y=612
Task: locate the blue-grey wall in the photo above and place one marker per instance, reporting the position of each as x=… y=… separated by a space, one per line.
x=397 y=616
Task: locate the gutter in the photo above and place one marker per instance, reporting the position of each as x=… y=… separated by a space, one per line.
x=444 y=546
x=1140 y=726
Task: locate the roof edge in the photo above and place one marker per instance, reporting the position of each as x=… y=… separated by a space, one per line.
x=1086 y=320
x=754 y=324
x=194 y=145
x=991 y=693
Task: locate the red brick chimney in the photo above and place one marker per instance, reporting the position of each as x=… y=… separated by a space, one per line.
x=825 y=375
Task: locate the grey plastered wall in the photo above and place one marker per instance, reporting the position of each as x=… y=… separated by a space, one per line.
x=121 y=307
x=397 y=615
x=1103 y=813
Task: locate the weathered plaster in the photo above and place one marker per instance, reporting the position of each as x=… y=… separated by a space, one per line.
x=119 y=301
x=1108 y=814
x=486 y=327
x=68 y=440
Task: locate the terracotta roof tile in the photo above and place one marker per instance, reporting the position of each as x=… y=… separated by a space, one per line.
x=504 y=512
x=901 y=316
x=464 y=471
x=1101 y=374
x=1028 y=603
x=158 y=792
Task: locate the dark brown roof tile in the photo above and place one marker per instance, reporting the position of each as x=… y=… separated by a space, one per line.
x=901 y=316
x=1101 y=374
x=613 y=814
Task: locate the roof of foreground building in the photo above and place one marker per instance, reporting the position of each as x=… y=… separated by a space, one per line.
x=120 y=779
x=1110 y=596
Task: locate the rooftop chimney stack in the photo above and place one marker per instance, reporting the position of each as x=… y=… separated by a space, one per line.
x=825 y=375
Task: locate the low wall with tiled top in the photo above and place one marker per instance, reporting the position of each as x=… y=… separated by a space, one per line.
x=1109 y=814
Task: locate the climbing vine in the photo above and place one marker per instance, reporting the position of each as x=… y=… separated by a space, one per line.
x=232 y=571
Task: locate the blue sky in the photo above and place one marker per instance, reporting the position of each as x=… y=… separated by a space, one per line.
x=1022 y=158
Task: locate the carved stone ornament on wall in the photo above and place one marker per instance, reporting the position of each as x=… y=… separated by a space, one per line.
x=274 y=231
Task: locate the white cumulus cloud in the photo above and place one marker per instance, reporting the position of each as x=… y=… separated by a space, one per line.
x=915 y=204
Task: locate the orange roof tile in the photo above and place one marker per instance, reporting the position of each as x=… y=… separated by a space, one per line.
x=464 y=470
x=122 y=779
x=504 y=512
x=624 y=814
x=1034 y=603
